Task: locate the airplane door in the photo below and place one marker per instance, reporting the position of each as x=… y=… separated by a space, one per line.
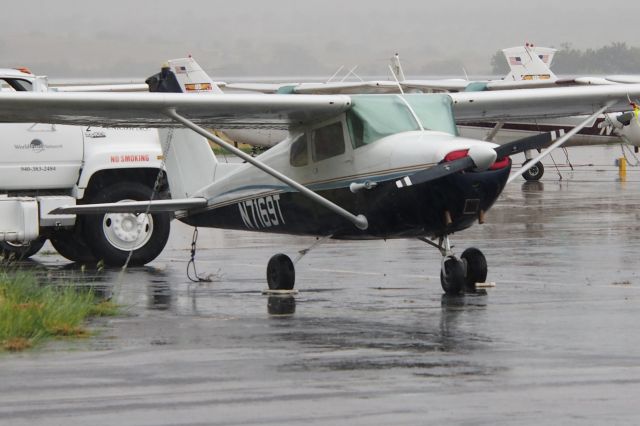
x=331 y=154
x=39 y=156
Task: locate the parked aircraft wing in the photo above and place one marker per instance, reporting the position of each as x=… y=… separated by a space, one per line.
x=149 y=109
x=358 y=87
x=258 y=87
x=282 y=111
x=449 y=85
x=335 y=88
x=624 y=79
x=508 y=105
x=520 y=84
x=127 y=87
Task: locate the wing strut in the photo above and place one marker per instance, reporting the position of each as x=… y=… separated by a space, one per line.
x=360 y=221
x=560 y=141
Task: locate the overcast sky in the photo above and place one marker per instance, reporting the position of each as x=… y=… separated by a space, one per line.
x=131 y=38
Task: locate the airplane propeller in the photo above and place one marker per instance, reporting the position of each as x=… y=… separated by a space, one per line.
x=449 y=167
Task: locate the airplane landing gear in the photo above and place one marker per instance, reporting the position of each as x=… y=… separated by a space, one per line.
x=458 y=275
x=534 y=173
x=476 y=268
x=452 y=276
x=281 y=274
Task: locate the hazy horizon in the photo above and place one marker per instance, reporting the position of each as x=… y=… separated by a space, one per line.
x=72 y=38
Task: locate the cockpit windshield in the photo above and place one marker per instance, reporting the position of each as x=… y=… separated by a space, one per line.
x=373 y=117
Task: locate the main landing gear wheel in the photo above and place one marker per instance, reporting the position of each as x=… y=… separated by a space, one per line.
x=476 y=270
x=452 y=276
x=21 y=251
x=534 y=173
x=281 y=275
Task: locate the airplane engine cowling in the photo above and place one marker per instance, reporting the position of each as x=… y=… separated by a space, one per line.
x=631 y=132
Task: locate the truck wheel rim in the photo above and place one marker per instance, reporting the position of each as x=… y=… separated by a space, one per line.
x=127 y=231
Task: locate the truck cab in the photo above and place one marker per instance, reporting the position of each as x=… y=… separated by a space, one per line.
x=44 y=166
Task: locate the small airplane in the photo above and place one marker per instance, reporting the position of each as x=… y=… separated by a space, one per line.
x=353 y=167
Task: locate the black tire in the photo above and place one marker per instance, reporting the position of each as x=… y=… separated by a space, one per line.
x=111 y=236
x=281 y=275
x=21 y=251
x=71 y=244
x=534 y=173
x=476 y=268
x=452 y=276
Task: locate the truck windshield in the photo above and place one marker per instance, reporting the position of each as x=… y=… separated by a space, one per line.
x=373 y=117
x=15 y=84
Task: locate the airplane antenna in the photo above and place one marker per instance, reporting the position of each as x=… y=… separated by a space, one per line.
x=335 y=73
x=395 y=77
x=397 y=67
x=402 y=98
x=466 y=76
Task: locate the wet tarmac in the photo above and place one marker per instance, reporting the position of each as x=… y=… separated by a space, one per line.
x=369 y=339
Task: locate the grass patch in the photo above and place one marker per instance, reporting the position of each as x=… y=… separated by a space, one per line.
x=31 y=312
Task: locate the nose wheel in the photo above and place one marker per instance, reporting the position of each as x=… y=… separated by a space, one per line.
x=459 y=275
x=452 y=275
x=476 y=268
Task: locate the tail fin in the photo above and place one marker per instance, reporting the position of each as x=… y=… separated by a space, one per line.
x=529 y=63
x=190 y=161
x=182 y=75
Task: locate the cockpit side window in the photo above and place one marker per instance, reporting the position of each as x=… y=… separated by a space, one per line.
x=298 y=156
x=327 y=141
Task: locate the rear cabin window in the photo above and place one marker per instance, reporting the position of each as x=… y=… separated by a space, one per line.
x=327 y=141
x=298 y=155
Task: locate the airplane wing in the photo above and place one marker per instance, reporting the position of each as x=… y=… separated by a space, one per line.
x=284 y=111
x=148 y=109
x=624 y=79
x=336 y=88
x=508 y=105
x=358 y=87
x=449 y=85
x=521 y=84
x=458 y=85
x=128 y=87
x=258 y=87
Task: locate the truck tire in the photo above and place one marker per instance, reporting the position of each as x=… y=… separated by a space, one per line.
x=20 y=251
x=71 y=244
x=112 y=236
